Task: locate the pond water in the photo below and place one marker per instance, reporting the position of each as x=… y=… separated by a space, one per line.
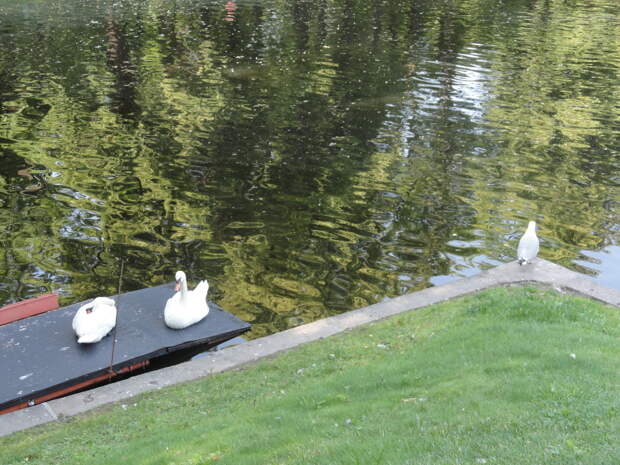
x=307 y=157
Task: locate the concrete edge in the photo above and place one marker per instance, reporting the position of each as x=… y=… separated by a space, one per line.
x=539 y=272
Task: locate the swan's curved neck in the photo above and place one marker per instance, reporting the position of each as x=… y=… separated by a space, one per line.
x=183 y=289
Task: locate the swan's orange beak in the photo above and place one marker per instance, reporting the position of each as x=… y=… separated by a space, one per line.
x=177 y=286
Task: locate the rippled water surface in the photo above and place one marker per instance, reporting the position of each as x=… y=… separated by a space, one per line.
x=307 y=157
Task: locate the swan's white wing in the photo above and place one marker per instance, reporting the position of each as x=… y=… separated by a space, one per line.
x=202 y=289
x=108 y=315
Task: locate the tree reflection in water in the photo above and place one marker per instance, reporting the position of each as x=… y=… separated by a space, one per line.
x=307 y=157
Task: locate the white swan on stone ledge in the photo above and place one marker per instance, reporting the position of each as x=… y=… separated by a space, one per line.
x=185 y=307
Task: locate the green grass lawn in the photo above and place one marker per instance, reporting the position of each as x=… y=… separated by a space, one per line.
x=509 y=376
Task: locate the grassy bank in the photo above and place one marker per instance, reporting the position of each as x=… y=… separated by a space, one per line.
x=508 y=376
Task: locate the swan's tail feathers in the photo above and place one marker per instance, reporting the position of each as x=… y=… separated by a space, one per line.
x=202 y=288
x=89 y=338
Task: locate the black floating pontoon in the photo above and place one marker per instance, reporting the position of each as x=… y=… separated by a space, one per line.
x=40 y=357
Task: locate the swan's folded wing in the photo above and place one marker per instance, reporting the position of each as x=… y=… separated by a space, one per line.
x=202 y=288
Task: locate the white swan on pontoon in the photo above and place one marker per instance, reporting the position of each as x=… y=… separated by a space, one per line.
x=186 y=307
x=94 y=320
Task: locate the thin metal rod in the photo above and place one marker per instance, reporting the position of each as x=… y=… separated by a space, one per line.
x=118 y=301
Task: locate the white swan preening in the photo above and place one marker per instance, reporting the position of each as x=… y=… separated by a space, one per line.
x=185 y=307
x=94 y=320
x=528 y=244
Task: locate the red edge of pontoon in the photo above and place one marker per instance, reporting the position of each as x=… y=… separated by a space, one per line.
x=27 y=308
